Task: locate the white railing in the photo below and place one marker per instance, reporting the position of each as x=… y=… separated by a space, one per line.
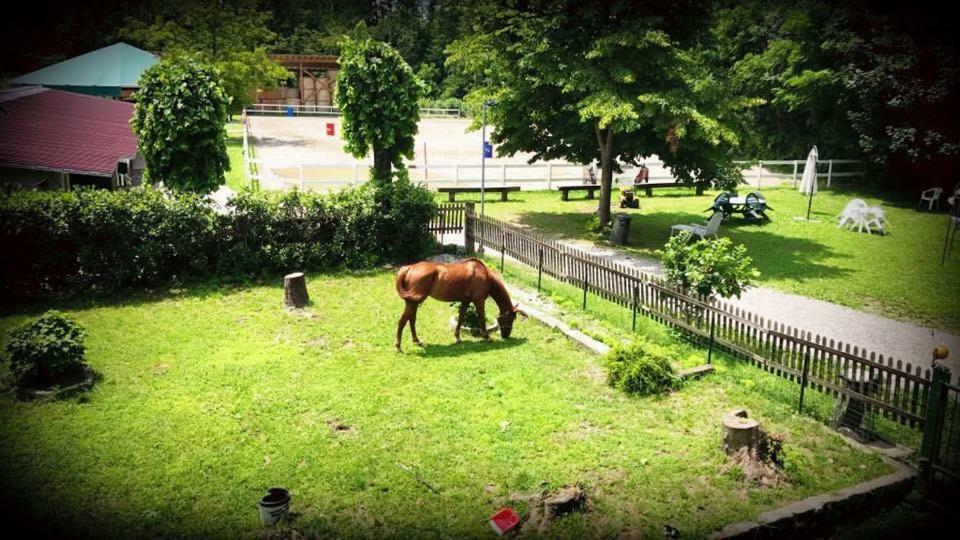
x=328 y=110
x=312 y=175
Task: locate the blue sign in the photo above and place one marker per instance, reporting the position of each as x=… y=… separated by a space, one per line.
x=487 y=149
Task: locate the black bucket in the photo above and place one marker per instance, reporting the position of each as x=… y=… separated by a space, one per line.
x=274 y=506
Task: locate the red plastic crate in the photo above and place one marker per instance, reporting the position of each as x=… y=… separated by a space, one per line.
x=504 y=521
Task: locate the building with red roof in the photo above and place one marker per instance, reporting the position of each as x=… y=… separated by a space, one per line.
x=55 y=139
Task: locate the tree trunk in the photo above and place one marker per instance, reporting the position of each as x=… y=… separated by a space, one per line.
x=382 y=167
x=295 y=290
x=605 y=140
x=699 y=186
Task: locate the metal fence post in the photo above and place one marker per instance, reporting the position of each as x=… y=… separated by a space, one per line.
x=803 y=381
x=503 y=248
x=933 y=423
x=713 y=320
x=636 y=296
x=468 y=223
x=540 y=270
x=585 y=285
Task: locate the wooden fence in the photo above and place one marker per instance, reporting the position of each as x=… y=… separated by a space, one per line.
x=883 y=385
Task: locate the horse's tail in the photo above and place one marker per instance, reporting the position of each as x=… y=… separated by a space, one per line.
x=402 y=291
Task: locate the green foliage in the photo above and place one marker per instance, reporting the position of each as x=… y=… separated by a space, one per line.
x=179 y=118
x=707 y=267
x=378 y=94
x=594 y=226
x=231 y=35
x=66 y=242
x=642 y=368
x=471 y=319
x=45 y=350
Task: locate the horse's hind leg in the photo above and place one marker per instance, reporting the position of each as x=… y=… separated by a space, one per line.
x=409 y=314
x=463 y=313
x=412 y=309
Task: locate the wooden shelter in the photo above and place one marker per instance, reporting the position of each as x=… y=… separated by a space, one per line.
x=315 y=76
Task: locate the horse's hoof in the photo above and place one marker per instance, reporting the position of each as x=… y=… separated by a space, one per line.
x=418 y=343
x=398 y=349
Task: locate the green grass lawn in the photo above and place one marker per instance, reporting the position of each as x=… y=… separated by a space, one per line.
x=212 y=393
x=897 y=275
x=234 y=176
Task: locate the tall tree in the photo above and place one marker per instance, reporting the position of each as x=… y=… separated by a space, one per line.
x=378 y=95
x=615 y=82
x=179 y=120
x=229 y=34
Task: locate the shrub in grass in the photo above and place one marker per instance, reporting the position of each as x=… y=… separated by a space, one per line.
x=641 y=368
x=707 y=267
x=471 y=319
x=46 y=351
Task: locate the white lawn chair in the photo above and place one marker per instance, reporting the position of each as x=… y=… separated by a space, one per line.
x=875 y=217
x=704 y=230
x=853 y=213
x=930 y=196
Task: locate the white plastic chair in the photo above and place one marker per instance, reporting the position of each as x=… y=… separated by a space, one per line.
x=930 y=196
x=875 y=216
x=853 y=213
x=709 y=228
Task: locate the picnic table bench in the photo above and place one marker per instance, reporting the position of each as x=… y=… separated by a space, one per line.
x=502 y=190
x=589 y=188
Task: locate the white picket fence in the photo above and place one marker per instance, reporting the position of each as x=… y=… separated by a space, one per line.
x=326 y=176
x=328 y=110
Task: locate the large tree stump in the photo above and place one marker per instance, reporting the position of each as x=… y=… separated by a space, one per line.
x=295 y=290
x=740 y=432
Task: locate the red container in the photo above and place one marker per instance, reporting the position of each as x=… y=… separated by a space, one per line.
x=330 y=130
x=504 y=521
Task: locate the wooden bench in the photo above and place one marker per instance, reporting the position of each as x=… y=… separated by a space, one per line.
x=648 y=187
x=589 y=188
x=502 y=190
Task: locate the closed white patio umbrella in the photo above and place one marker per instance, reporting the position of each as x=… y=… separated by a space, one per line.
x=808 y=184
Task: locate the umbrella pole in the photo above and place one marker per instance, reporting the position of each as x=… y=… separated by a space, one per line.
x=946 y=241
x=809 y=201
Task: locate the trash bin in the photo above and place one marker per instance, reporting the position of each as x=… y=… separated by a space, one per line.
x=330 y=129
x=289 y=111
x=621 y=229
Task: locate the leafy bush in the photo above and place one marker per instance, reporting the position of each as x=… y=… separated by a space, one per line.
x=641 y=368
x=179 y=119
x=46 y=350
x=56 y=242
x=471 y=319
x=707 y=267
x=593 y=226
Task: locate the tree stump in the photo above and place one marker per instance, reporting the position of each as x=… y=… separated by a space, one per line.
x=295 y=290
x=740 y=432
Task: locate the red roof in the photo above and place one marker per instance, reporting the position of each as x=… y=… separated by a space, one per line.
x=63 y=131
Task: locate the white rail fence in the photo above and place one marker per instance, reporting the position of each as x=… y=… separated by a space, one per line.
x=319 y=175
x=327 y=110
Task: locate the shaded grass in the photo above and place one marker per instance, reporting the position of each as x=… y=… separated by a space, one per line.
x=211 y=394
x=897 y=275
x=234 y=176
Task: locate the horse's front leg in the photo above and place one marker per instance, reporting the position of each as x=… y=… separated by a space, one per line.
x=463 y=313
x=400 y=325
x=483 y=318
x=412 y=308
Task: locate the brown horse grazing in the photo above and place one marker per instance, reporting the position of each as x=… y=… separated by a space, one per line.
x=465 y=281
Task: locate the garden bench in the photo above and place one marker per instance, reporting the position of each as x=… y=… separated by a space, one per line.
x=502 y=190
x=589 y=188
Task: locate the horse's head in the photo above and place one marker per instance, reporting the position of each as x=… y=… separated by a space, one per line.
x=505 y=320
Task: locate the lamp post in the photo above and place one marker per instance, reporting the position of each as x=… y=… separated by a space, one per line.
x=483 y=159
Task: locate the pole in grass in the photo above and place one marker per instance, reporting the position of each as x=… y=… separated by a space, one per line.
x=712 y=334
x=585 y=285
x=503 y=247
x=487 y=153
x=636 y=296
x=803 y=382
x=540 y=270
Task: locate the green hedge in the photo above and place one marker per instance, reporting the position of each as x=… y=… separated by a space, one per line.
x=63 y=243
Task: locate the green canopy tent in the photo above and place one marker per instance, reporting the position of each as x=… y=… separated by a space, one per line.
x=112 y=71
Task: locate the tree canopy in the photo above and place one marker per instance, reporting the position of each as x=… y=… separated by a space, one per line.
x=180 y=112
x=231 y=35
x=614 y=82
x=378 y=96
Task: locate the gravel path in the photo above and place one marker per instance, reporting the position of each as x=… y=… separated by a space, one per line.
x=897 y=339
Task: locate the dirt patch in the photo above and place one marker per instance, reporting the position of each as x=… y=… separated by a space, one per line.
x=548 y=506
x=583 y=430
x=595 y=374
x=317 y=342
x=340 y=428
